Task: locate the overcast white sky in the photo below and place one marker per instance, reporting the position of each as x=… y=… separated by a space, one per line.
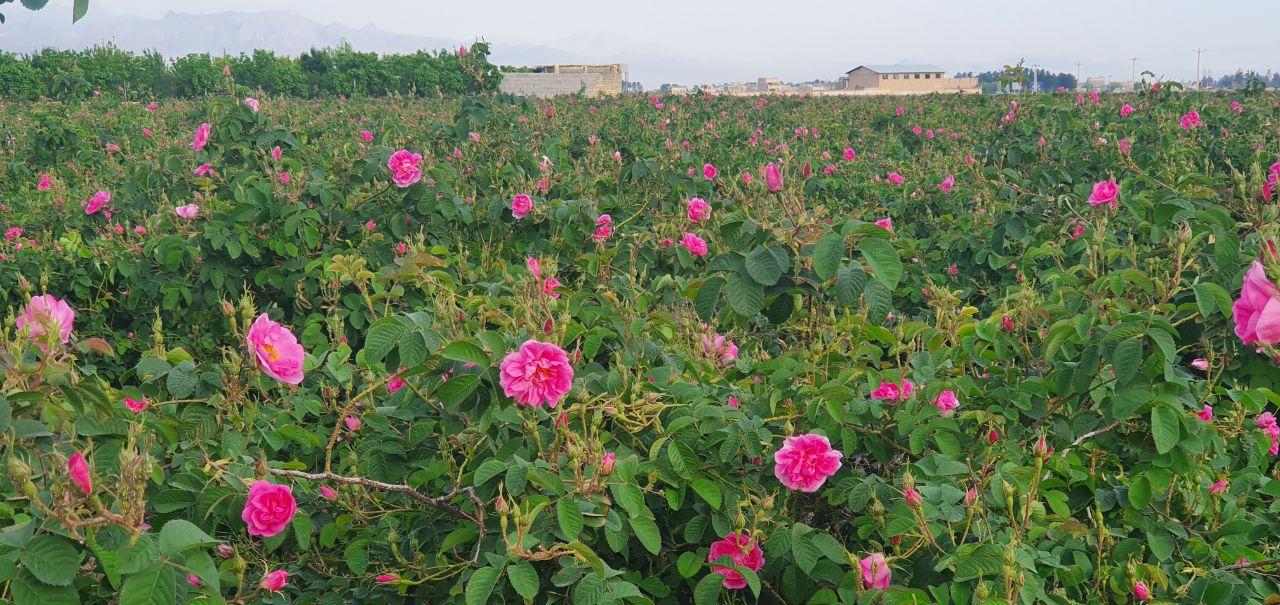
x=805 y=39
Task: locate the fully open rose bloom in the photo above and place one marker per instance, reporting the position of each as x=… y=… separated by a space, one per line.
x=536 y=374
x=276 y=350
x=805 y=461
x=521 y=204
x=269 y=508
x=745 y=553
x=699 y=210
x=1257 y=311
x=404 y=168
x=46 y=313
x=875 y=571
x=201 y=136
x=188 y=211
x=1105 y=193
x=694 y=244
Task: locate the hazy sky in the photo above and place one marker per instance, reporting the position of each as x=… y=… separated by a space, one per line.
x=805 y=39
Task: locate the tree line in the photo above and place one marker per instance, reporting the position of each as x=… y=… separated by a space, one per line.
x=107 y=69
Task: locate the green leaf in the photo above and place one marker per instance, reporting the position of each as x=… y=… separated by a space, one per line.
x=570 y=518
x=763 y=266
x=382 y=336
x=683 y=460
x=481 y=584
x=51 y=559
x=1210 y=297
x=707 y=490
x=827 y=254
x=155 y=585
x=884 y=261
x=708 y=298
x=1139 y=493
x=27 y=590
x=463 y=350
x=78 y=11
x=356 y=556
x=178 y=535
x=523 y=579
x=647 y=532
x=745 y=296
x=708 y=590
x=1126 y=359
x=1165 y=427
x=487 y=470
x=456 y=389
x=803 y=550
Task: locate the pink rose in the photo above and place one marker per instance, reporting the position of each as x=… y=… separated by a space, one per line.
x=805 y=461
x=850 y=154
x=352 y=422
x=252 y=104
x=404 y=168
x=276 y=152
x=743 y=551
x=1141 y=592
x=269 y=508
x=386 y=578
x=44 y=314
x=189 y=211
x=709 y=172
x=1219 y=487
x=45 y=183
x=78 y=470
x=1257 y=311
x=276 y=350
x=521 y=205
x=203 y=169
x=947 y=184
x=886 y=224
x=607 y=464
x=946 y=402
x=1126 y=110
x=275 y=581
x=1200 y=363
x=894 y=393
x=694 y=244
x=1205 y=413
x=135 y=405
x=772 y=178
x=1190 y=120
x=875 y=571
x=699 y=210
x=896 y=178
x=366 y=136
x=1105 y=192
x=201 y=137
x=912 y=497
x=99 y=199
x=327 y=493
x=536 y=374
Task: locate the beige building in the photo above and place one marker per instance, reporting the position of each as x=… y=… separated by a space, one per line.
x=556 y=80
x=904 y=80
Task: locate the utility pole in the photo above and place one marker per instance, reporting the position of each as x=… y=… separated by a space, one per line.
x=1078 y=76
x=1133 y=69
x=1035 y=78
x=1198 y=51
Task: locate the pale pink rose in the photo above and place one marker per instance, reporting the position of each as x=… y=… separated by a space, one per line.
x=521 y=205
x=78 y=470
x=694 y=244
x=1200 y=363
x=886 y=224
x=1141 y=592
x=95 y=203
x=225 y=550
x=276 y=350
x=946 y=402
x=536 y=374
x=269 y=508
x=699 y=210
x=404 y=168
x=607 y=464
x=275 y=581
x=45 y=183
x=252 y=104
x=1257 y=312
x=1205 y=413
x=1124 y=146
x=135 y=405
x=327 y=493
x=188 y=211
x=896 y=178
x=474 y=136
x=743 y=551
x=875 y=571
x=201 y=136
x=113 y=147
x=1105 y=193
x=804 y=462
x=44 y=314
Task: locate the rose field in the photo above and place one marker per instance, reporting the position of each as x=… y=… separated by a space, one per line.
x=684 y=349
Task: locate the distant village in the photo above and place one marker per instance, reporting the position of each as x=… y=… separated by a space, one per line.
x=612 y=79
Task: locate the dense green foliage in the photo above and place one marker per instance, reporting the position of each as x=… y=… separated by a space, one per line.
x=1065 y=330
x=74 y=75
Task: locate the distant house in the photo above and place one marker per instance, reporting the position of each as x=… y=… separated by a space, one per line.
x=904 y=79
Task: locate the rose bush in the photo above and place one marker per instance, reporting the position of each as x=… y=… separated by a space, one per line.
x=942 y=349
